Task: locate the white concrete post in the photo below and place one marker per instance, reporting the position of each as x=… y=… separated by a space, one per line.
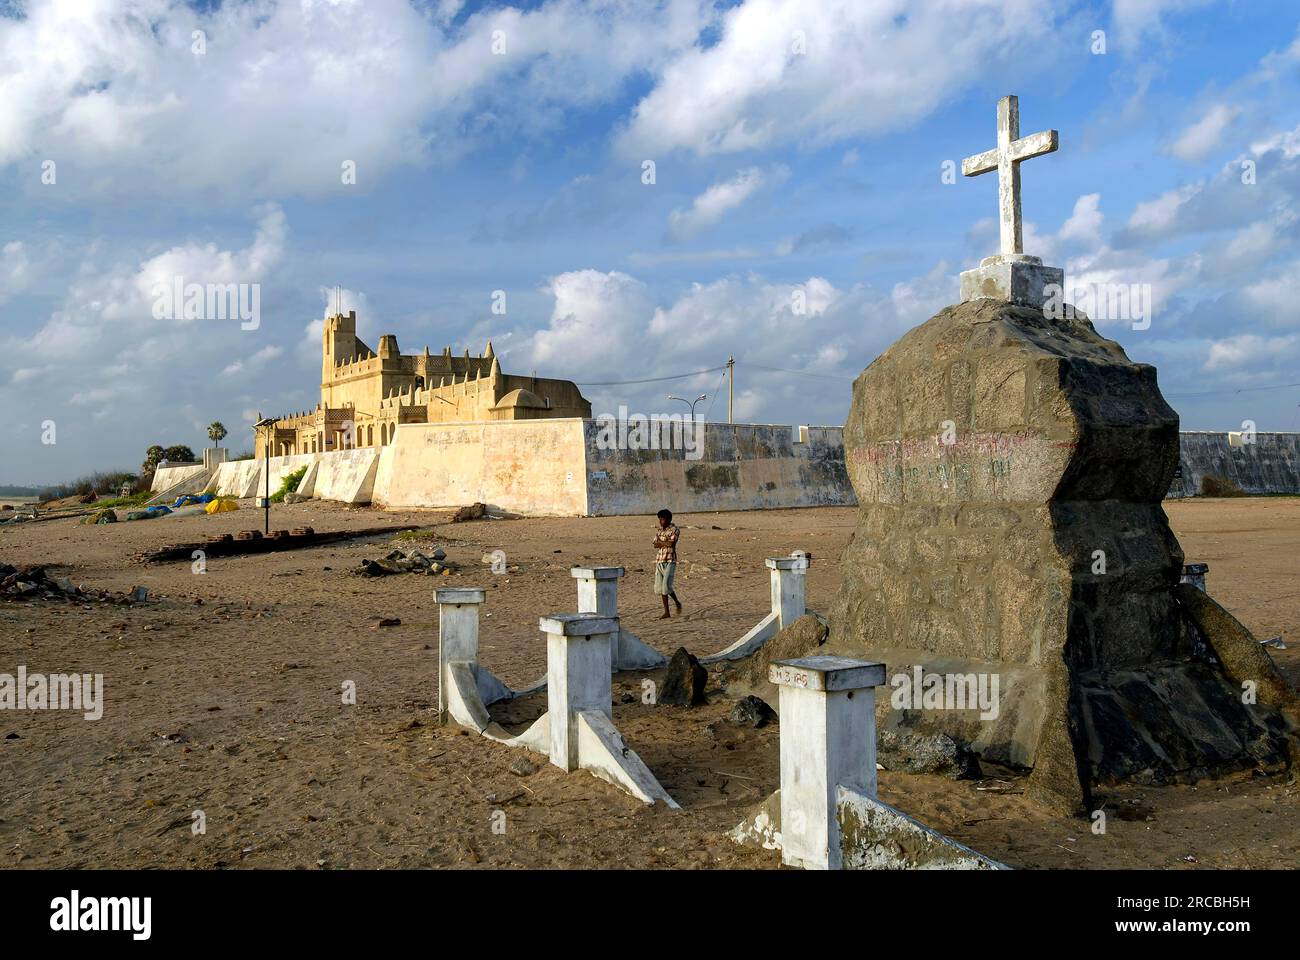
x=828 y=739
x=598 y=593
x=789 y=580
x=578 y=666
x=597 y=589
x=457 y=633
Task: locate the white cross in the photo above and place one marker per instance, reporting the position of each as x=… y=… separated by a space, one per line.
x=1006 y=158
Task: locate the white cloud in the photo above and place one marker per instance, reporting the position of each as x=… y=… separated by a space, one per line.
x=1138 y=20
x=1085 y=223
x=867 y=68
x=1205 y=134
x=15 y=269
x=1159 y=215
x=711 y=205
x=595 y=323
x=608 y=327
x=1246 y=350
x=114 y=92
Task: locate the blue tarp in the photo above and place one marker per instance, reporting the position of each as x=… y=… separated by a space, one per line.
x=189 y=499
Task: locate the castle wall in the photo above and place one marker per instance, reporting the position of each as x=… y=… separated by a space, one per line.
x=742 y=466
x=523 y=466
x=1269 y=465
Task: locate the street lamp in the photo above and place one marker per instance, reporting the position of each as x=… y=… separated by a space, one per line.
x=268 y=423
x=690 y=403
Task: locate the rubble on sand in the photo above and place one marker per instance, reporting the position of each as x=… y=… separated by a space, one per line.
x=475 y=511
x=413 y=561
x=33 y=583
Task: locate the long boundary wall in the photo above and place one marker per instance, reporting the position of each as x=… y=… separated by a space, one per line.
x=1270 y=464
x=568 y=467
x=742 y=466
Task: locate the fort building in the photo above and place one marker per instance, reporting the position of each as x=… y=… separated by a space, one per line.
x=365 y=394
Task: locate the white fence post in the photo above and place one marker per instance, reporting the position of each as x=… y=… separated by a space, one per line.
x=828 y=739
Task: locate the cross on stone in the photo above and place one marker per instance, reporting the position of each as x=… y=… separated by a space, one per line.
x=1005 y=158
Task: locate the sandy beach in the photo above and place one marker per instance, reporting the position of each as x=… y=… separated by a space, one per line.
x=222 y=695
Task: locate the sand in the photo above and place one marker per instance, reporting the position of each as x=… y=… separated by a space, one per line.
x=233 y=706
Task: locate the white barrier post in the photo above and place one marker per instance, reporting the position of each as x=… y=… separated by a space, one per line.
x=789 y=579
x=578 y=666
x=789 y=582
x=828 y=739
x=457 y=634
x=598 y=593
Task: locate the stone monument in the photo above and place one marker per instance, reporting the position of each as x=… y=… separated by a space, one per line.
x=1009 y=468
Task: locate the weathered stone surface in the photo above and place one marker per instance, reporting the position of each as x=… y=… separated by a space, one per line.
x=1009 y=470
x=799 y=639
x=474 y=511
x=752 y=712
x=684 y=681
x=935 y=753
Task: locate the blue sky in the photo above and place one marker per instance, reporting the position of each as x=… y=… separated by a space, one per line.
x=779 y=171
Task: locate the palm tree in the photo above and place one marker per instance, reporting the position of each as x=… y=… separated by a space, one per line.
x=216 y=432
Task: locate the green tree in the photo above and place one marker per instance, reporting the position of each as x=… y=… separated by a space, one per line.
x=216 y=432
x=179 y=454
x=151 y=458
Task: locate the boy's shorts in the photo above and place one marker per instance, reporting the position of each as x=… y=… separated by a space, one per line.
x=664 y=578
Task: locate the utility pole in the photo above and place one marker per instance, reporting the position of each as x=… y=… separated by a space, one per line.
x=731 y=387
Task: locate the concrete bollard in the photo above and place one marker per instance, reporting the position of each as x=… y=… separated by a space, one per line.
x=789 y=579
x=597 y=589
x=578 y=649
x=826 y=815
x=789 y=587
x=457 y=634
x=828 y=740
x=598 y=593
x=465 y=689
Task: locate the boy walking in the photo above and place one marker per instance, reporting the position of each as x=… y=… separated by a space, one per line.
x=666 y=537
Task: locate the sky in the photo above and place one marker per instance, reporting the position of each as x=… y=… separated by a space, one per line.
x=619 y=190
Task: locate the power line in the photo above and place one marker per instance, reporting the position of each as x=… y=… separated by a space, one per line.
x=1217 y=393
x=715 y=394
x=620 y=383
x=802 y=373
x=723 y=368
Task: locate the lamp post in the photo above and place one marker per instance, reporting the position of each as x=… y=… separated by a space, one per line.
x=268 y=423
x=690 y=403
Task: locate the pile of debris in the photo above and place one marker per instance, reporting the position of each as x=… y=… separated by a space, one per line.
x=33 y=583
x=414 y=561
